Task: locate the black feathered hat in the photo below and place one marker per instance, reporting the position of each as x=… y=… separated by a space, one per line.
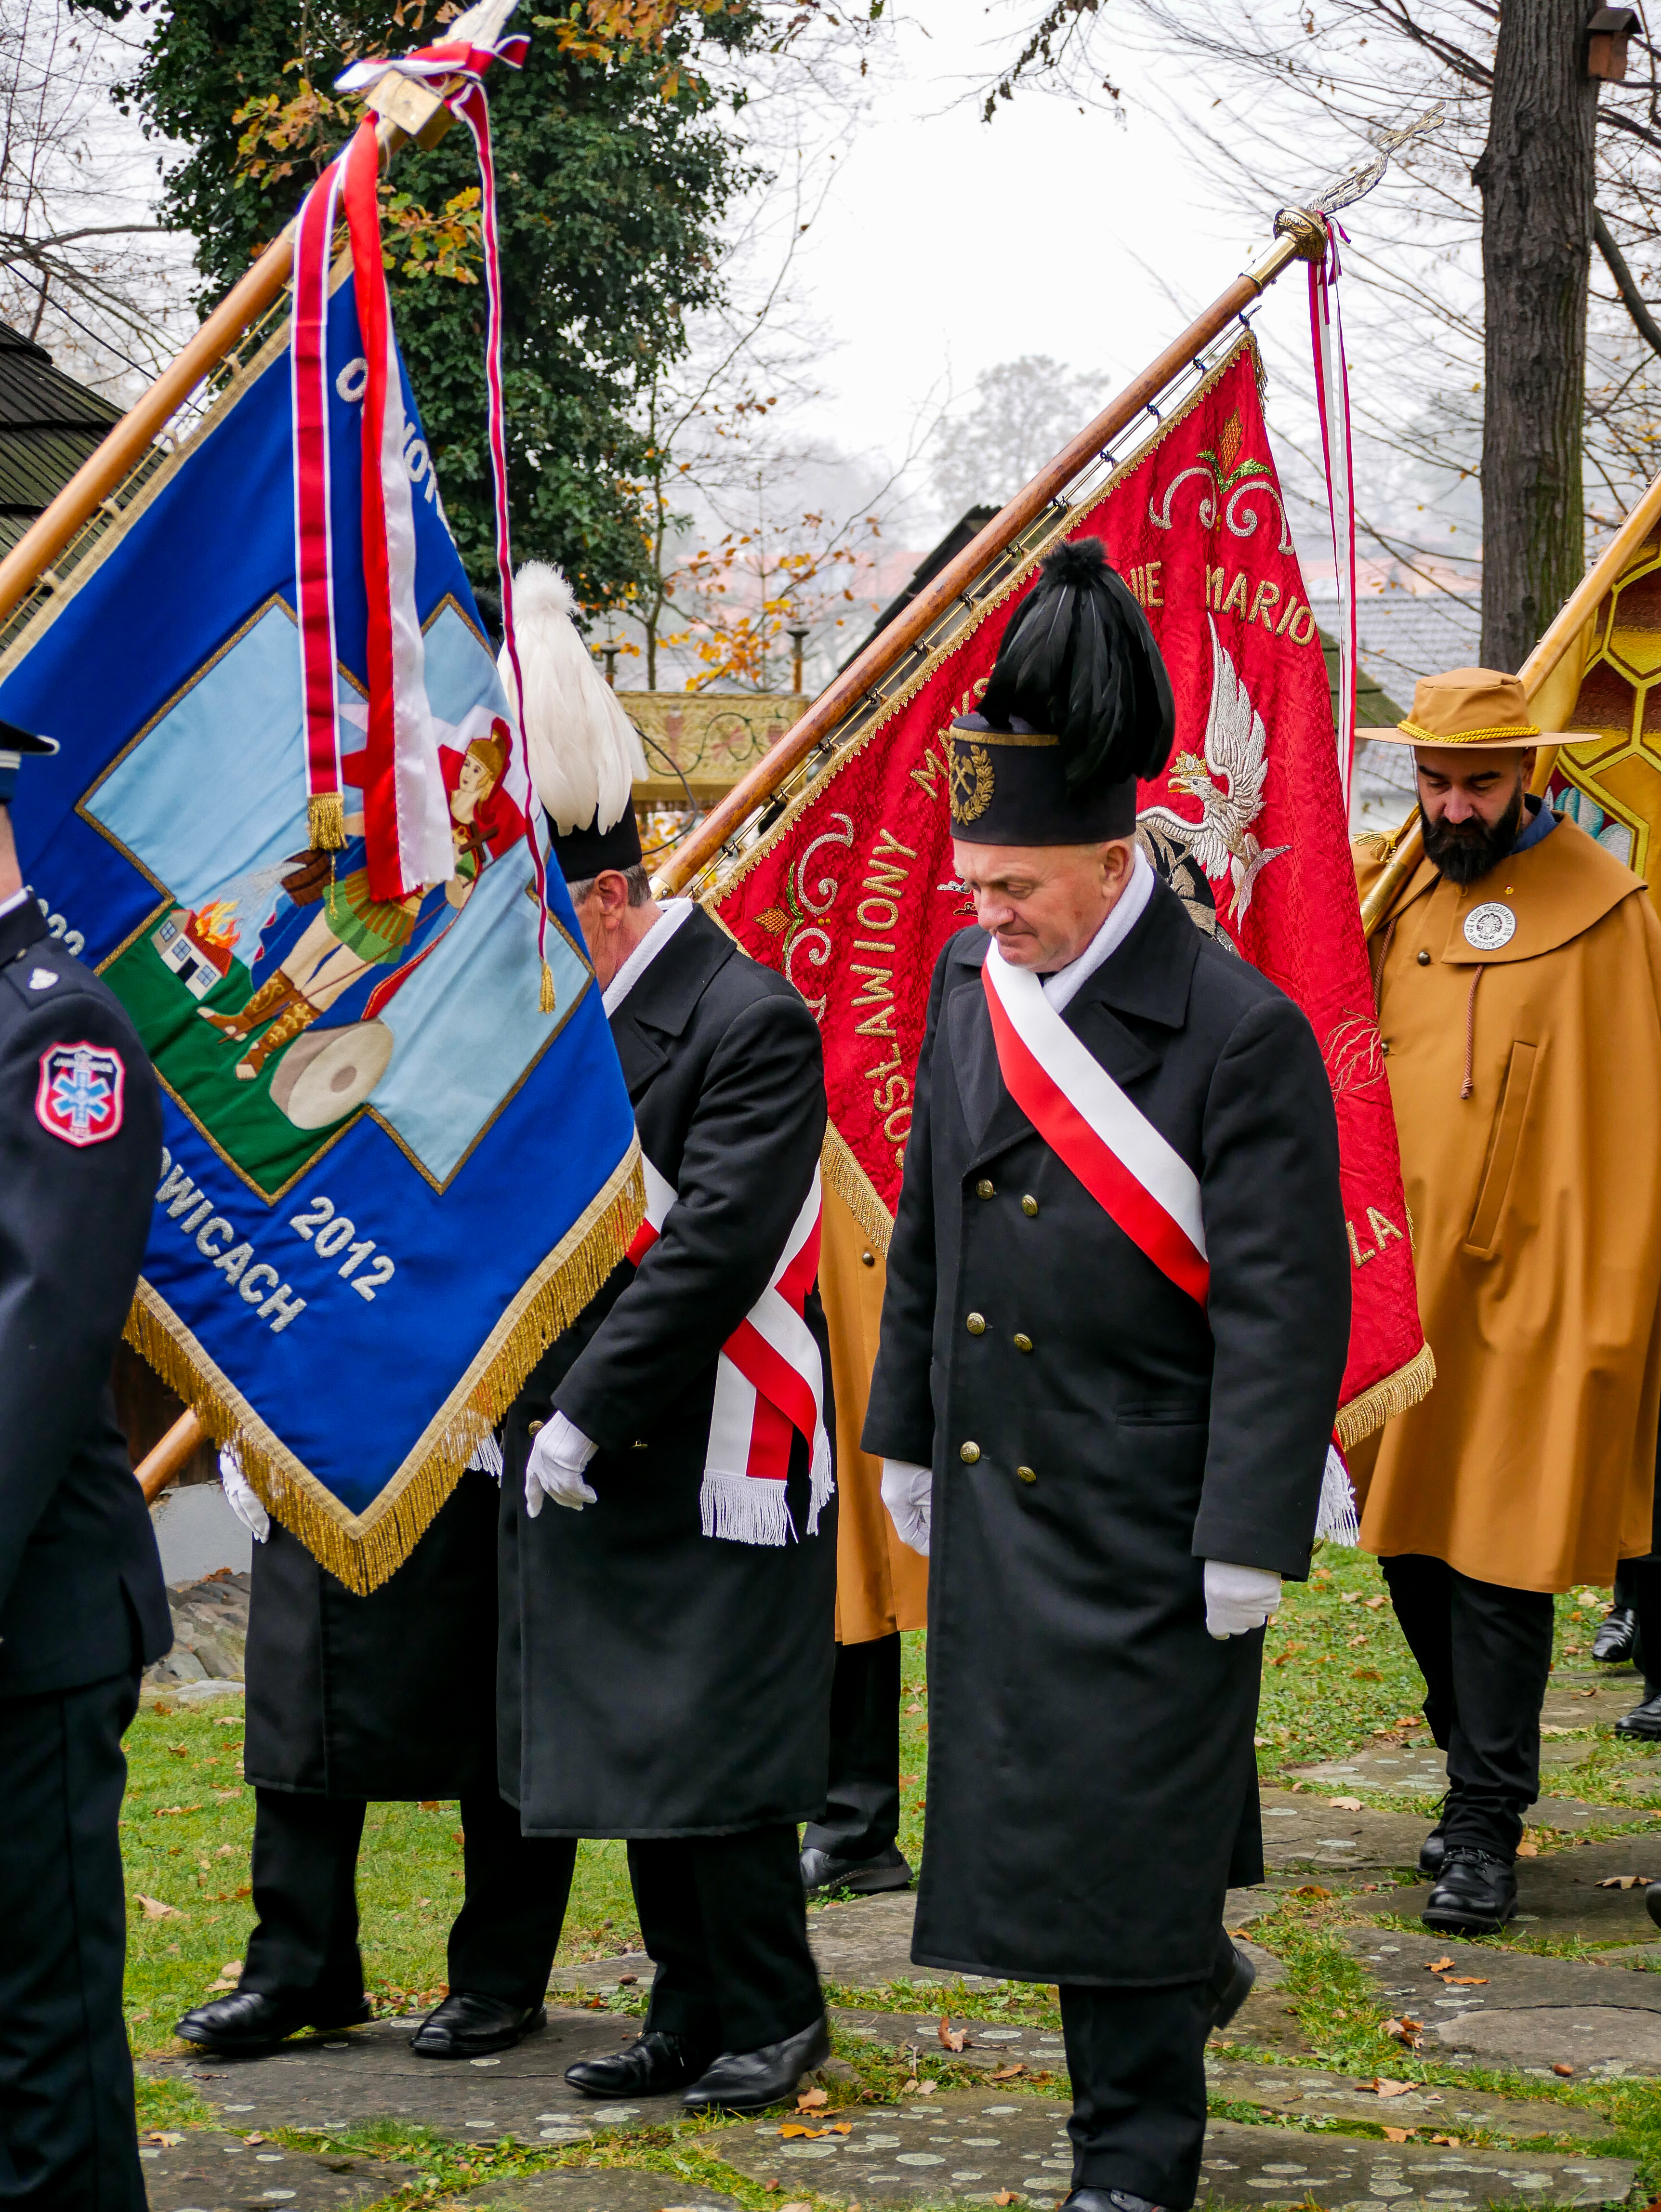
x=1078 y=709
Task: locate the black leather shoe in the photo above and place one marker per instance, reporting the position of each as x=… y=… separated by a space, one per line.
x=1653 y=1902
x=1643 y=1720
x=748 y=2080
x=1475 y=1895
x=468 y=2024
x=650 y=2066
x=251 y=2021
x=822 y=1870
x=1107 y=2200
x=1433 y=1851
x=1616 y=1633
x=1231 y=1983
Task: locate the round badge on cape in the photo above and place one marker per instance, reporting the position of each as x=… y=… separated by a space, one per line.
x=1488 y=927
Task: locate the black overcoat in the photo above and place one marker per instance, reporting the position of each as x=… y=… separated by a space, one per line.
x=1090 y=1763
x=656 y=1681
x=81 y=1590
x=387 y=1696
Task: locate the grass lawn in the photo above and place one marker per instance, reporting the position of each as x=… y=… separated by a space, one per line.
x=1337 y=1677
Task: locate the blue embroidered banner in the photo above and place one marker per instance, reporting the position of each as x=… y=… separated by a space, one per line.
x=390 y=1178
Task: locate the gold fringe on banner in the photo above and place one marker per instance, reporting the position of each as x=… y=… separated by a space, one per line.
x=326 y=821
x=363 y=1549
x=545 y=996
x=1394 y=1395
x=855 y=1188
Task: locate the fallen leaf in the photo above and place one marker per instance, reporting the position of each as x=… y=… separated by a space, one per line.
x=429 y=1804
x=952 y=2039
x=163 y=1811
x=1345 y=1804
x=164 y=2137
x=1528 y=1849
x=623 y=1980
x=1624 y=1881
x=812 y=2100
x=1386 y=2087
x=1397 y=2135
x=256 y=2138
x=793 y=2128
x=906 y=2087
x=1365 y=1674
x=1467 y=1981
x=155 y=1909
x=1560 y=2068
x=803 y=2206
x=459 y=1836
x=840 y=2128
x=1373 y=1604
x=1312 y=1889
x=1405 y=2031
x=1449 y=2142
x=178 y=1750
x=1005 y=2196
x=927 y=2088
x=1439 y=1966
x=1009 y=2074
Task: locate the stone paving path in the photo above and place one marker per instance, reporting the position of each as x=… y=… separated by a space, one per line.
x=206 y=2171
x=593 y=2188
x=1558 y=1893
x=1306 y=2092
x=968 y=2148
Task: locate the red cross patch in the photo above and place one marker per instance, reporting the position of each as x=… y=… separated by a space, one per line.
x=80 y=1095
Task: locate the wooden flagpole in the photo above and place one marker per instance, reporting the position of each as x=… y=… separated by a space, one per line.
x=1576 y=611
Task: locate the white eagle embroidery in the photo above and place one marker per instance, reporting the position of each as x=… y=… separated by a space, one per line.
x=1229 y=786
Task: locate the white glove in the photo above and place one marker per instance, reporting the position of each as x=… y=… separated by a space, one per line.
x=559 y=1453
x=1238 y=1599
x=241 y=1496
x=907 y=1490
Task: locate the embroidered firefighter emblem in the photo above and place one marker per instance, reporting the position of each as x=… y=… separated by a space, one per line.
x=80 y=1095
x=972 y=781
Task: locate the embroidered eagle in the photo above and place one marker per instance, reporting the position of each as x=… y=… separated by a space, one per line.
x=1229 y=786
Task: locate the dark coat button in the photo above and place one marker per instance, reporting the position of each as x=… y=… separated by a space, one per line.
x=975 y=1324
x=868 y=1259
x=1424 y=959
x=983 y=1188
x=969 y=1454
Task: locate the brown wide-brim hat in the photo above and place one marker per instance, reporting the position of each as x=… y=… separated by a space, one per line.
x=1476 y=706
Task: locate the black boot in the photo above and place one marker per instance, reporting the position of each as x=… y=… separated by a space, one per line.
x=1643 y=1720
x=1474 y=1894
x=650 y=2066
x=468 y=2024
x=1231 y=1981
x=822 y=1870
x=1616 y=1632
x=249 y=2021
x=749 y=2081
x=1432 y=1852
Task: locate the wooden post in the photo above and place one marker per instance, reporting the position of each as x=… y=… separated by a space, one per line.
x=891 y=646
x=159 y=1466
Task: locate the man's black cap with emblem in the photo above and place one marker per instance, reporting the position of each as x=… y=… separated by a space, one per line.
x=1078 y=709
x=13 y=744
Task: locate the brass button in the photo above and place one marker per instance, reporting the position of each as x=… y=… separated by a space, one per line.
x=969 y=1454
x=1026 y=1474
x=975 y=1324
x=534 y=1426
x=983 y=1188
x=1029 y=1206
x=868 y=1259
x=1424 y=959
x=1023 y=1343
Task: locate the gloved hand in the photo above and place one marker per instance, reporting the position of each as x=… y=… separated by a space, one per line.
x=907 y=1490
x=559 y=1453
x=1238 y=1599
x=241 y=1496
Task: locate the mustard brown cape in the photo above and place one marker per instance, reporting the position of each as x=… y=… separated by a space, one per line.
x=1535 y=1204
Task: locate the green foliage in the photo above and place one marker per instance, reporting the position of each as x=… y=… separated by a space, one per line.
x=613 y=173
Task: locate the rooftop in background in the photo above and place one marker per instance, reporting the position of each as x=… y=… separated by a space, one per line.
x=48 y=426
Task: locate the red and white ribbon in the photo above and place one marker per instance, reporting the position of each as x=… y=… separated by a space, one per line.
x=1326 y=324
x=770 y=1387
x=1082 y=1113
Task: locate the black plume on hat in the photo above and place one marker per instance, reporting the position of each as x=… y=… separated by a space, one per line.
x=1079 y=661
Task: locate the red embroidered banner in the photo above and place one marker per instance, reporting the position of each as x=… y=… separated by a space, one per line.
x=852 y=894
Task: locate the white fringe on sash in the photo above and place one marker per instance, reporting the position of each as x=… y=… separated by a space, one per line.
x=1336 y=1520
x=746 y=1509
x=821 y=1481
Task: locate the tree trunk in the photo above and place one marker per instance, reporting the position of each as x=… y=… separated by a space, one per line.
x=1536 y=176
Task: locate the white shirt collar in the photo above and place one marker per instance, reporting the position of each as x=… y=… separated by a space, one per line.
x=1064 y=985
x=17 y=899
x=671 y=915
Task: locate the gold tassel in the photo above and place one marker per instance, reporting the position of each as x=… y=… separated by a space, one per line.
x=326 y=821
x=855 y=1188
x=546 y=998
x=1392 y=1394
x=362 y=1551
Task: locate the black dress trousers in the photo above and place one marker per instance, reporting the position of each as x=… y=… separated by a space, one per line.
x=68 y=2142
x=304 y=1864
x=725 y=1922
x=1136 y=2060
x=862 y=1805
x=1485 y=1653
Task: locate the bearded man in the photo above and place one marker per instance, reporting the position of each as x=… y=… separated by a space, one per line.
x=1114 y=1334
x=1518 y=984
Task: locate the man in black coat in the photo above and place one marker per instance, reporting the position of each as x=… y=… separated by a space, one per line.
x=668 y=1645
x=1112 y=1342
x=356 y=1700
x=82 y=1608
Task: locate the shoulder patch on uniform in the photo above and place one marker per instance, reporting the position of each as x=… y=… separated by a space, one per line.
x=43 y=978
x=80 y=1095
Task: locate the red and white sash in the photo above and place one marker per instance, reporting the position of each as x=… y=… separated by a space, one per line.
x=770 y=1384
x=1085 y=1118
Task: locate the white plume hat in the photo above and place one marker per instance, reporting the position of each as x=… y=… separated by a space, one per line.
x=585 y=753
